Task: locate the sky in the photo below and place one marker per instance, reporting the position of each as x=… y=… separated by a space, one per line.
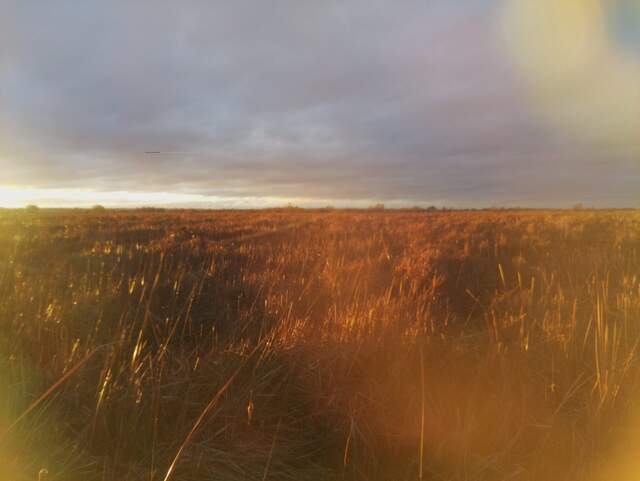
x=472 y=103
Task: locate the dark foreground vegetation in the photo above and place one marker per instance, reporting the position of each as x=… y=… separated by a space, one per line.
x=319 y=345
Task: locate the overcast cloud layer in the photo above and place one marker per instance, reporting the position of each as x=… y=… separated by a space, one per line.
x=410 y=102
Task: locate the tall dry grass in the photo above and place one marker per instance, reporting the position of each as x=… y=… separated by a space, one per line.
x=291 y=344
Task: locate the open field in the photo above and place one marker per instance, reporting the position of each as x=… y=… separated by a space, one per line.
x=319 y=345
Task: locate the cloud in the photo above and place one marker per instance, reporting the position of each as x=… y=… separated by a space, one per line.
x=339 y=100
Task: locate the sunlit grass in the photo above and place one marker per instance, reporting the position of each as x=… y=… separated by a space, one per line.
x=292 y=344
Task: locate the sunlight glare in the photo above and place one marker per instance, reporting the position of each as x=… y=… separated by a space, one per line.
x=17 y=197
x=577 y=65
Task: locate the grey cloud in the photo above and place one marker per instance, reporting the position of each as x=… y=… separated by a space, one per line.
x=348 y=100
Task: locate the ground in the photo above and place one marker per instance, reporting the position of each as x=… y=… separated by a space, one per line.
x=328 y=344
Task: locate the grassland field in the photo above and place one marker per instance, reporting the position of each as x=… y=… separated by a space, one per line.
x=293 y=344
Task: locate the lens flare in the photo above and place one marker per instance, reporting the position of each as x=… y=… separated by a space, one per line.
x=580 y=60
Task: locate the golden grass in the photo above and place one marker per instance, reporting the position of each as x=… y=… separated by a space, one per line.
x=292 y=345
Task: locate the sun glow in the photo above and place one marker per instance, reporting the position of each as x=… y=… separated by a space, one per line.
x=580 y=63
x=17 y=197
